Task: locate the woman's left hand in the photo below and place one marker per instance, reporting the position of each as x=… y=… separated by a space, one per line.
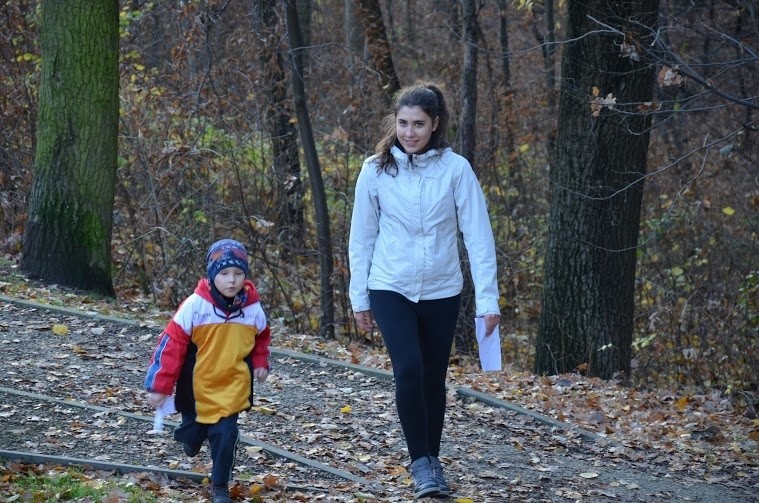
x=491 y=321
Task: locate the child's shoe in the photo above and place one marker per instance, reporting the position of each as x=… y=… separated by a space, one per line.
x=442 y=484
x=220 y=494
x=424 y=478
x=190 y=449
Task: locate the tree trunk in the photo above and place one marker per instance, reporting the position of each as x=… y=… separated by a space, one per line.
x=68 y=233
x=354 y=31
x=468 y=125
x=410 y=23
x=305 y=9
x=549 y=50
x=504 y=39
x=586 y=321
x=327 y=327
x=281 y=130
x=465 y=336
x=370 y=13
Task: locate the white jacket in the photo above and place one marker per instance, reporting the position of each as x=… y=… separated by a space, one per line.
x=404 y=230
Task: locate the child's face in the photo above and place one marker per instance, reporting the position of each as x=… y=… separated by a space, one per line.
x=229 y=281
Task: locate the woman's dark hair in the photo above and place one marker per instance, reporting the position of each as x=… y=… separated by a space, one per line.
x=427 y=96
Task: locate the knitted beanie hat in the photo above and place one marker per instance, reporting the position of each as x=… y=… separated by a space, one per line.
x=225 y=253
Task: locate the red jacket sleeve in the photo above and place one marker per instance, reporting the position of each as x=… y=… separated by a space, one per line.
x=260 y=354
x=167 y=359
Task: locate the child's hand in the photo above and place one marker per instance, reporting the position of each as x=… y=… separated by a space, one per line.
x=260 y=373
x=156 y=399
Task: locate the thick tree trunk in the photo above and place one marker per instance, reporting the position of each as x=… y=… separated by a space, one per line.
x=68 y=233
x=586 y=320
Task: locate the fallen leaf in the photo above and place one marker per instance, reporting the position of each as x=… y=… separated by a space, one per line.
x=59 y=329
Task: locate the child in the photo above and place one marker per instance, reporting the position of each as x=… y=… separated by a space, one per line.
x=212 y=349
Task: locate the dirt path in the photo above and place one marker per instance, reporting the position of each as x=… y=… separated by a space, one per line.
x=317 y=423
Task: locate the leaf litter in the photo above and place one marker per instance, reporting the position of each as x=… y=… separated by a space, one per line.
x=653 y=443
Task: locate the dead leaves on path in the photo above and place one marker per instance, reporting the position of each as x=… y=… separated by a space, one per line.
x=695 y=434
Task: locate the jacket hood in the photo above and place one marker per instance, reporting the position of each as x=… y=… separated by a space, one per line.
x=402 y=159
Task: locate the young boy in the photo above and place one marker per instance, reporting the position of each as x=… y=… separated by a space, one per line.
x=211 y=351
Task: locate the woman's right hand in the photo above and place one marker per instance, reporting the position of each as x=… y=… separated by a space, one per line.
x=364 y=320
x=156 y=399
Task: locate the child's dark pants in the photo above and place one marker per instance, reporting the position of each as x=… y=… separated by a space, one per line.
x=222 y=437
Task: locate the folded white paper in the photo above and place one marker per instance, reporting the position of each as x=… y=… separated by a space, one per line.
x=166 y=408
x=490 y=346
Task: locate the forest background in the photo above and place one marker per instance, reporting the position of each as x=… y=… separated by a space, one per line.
x=201 y=82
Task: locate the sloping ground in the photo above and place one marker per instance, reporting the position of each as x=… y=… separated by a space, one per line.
x=325 y=430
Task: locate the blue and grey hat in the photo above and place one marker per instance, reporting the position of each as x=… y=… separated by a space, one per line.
x=225 y=253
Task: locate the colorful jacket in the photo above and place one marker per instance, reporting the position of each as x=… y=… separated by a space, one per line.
x=209 y=355
x=404 y=231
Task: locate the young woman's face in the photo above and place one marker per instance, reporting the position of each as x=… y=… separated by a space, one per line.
x=414 y=127
x=229 y=281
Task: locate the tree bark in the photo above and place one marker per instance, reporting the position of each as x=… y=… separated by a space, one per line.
x=548 y=53
x=354 y=30
x=586 y=321
x=468 y=126
x=504 y=40
x=327 y=327
x=305 y=8
x=465 y=336
x=281 y=130
x=370 y=13
x=68 y=233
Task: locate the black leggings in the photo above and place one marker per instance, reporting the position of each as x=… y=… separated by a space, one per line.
x=418 y=337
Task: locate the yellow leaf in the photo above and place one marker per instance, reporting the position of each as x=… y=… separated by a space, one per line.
x=524 y=147
x=588 y=475
x=677 y=271
x=396 y=471
x=139 y=67
x=727 y=210
x=264 y=410
x=59 y=329
x=682 y=403
x=346 y=409
x=463 y=500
